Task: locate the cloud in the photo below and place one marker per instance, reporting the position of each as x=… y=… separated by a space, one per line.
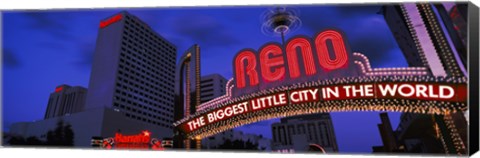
x=10 y=59
x=49 y=22
x=374 y=39
x=203 y=29
x=366 y=31
x=53 y=45
x=85 y=55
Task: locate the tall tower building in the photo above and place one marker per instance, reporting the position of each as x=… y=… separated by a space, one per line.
x=133 y=71
x=298 y=132
x=388 y=136
x=65 y=100
x=187 y=92
x=212 y=86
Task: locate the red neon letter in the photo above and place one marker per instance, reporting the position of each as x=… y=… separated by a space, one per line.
x=307 y=54
x=250 y=69
x=339 y=49
x=267 y=62
x=107 y=22
x=58 y=89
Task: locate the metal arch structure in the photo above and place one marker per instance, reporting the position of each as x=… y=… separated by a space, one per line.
x=441 y=67
x=369 y=75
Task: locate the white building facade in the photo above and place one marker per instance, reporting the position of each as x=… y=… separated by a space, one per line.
x=295 y=134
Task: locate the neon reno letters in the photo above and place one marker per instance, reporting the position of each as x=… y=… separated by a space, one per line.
x=270 y=65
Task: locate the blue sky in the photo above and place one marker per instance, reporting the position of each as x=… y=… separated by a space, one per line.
x=43 y=49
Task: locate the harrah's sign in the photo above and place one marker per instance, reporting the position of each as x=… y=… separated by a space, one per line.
x=111 y=20
x=302 y=59
x=139 y=138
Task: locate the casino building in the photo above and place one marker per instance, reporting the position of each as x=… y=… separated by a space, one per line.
x=65 y=100
x=131 y=87
x=421 y=140
x=187 y=93
x=217 y=140
x=133 y=71
x=296 y=133
x=212 y=86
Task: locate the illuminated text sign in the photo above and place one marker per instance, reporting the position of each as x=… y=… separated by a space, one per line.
x=300 y=58
x=113 y=19
x=326 y=93
x=58 y=89
x=143 y=137
x=138 y=141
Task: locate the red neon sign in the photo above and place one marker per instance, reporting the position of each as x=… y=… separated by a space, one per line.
x=58 y=89
x=328 y=47
x=271 y=58
x=142 y=140
x=143 y=137
x=249 y=69
x=385 y=92
x=305 y=48
x=113 y=19
x=340 y=52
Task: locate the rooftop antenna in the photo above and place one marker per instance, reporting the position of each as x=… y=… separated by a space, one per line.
x=280 y=21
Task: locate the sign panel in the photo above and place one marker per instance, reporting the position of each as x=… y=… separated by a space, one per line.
x=142 y=140
x=302 y=59
x=375 y=92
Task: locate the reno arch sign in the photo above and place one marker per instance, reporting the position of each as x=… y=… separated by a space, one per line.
x=319 y=74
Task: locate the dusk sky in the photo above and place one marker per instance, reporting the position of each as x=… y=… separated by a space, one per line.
x=44 y=49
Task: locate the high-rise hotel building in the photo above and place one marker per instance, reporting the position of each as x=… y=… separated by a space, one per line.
x=297 y=133
x=212 y=86
x=65 y=100
x=133 y=71
x=131 y=87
